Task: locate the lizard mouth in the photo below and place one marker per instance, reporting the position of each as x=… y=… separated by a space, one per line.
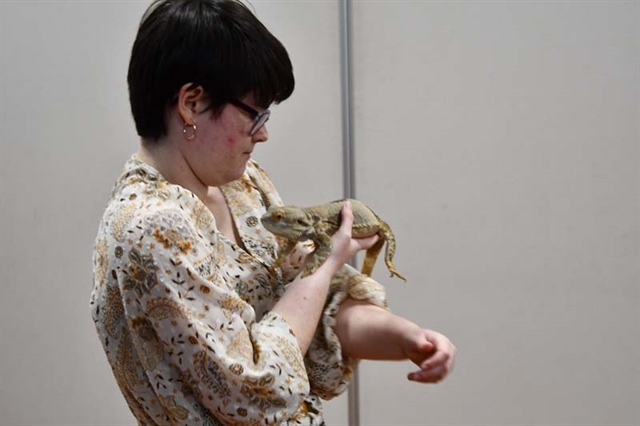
x=281 y=229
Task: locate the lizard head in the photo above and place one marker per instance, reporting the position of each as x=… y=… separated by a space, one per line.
x=289 y=221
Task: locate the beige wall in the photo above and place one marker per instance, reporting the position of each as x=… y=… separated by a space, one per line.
x=500 y=140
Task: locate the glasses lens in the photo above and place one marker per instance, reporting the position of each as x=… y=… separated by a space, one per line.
x=260 y=121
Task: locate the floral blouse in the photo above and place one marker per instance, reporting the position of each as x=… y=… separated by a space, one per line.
x=183 y=313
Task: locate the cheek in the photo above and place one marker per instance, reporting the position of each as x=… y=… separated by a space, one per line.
x=231 y=133
x=230 y=141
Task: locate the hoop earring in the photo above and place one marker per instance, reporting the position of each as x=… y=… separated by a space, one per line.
x=189 y=134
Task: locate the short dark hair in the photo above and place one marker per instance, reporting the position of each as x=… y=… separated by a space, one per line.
x=217 y=44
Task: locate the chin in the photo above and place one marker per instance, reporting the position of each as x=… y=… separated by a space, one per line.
x=229 y=176
x=237 y=174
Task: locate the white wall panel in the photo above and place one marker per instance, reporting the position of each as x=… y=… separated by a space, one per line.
x=66 y=131
x=304 y=152
x=500 y=140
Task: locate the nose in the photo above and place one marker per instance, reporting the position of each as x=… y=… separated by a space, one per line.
x=261 y=135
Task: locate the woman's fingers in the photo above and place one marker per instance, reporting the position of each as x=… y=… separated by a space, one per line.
x=438 y=359
x=347 y=224
x=347 y=218
x=435 y=359
x=432 y=375
x=367 y=242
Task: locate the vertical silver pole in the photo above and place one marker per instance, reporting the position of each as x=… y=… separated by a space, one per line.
x=347 y=96
x=348 y=162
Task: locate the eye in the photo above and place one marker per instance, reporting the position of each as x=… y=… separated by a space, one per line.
x=278 y=214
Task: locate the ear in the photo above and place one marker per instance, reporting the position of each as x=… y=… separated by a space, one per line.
x=192 y=100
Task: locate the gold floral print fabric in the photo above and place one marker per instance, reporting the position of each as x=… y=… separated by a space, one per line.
x=184 y=314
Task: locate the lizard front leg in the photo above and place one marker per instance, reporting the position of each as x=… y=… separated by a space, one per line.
x=323 y=250
x=284 y=251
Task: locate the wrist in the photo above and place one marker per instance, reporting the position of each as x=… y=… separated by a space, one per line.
x=409 y=335
x=330 y=267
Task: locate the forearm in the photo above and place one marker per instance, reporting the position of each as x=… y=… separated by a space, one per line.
x=367 y=331
x=302 y=304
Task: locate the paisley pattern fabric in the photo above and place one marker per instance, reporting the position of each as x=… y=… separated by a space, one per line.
x=184 y=316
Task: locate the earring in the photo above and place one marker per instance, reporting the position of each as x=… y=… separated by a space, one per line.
x=189 y=134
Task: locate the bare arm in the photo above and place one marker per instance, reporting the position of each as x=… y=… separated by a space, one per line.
x=301 y=305
x=370 y=332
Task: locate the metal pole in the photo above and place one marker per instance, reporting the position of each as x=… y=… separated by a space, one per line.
x=348 y=162
x=347 y=96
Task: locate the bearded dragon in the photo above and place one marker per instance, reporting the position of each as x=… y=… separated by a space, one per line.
x=319 y=223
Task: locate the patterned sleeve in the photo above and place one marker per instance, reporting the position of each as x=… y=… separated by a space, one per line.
x=329 y=373
x=183 y=315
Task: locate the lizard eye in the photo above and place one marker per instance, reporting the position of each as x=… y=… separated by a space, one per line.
x=278 y=214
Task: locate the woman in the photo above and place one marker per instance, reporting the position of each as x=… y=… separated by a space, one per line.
x=198 y=324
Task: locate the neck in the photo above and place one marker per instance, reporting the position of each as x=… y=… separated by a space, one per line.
x=166 y=157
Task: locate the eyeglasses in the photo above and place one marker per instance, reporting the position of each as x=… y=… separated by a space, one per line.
x=259 y=117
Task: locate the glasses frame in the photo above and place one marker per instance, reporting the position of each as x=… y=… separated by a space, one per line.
x=260 y=118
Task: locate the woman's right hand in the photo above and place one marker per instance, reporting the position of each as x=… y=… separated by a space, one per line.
x=344 y=245
x=301 y=305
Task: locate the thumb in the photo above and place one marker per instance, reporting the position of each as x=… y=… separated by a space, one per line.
x=420 y=351
x=426 y=347
x=346 y=216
